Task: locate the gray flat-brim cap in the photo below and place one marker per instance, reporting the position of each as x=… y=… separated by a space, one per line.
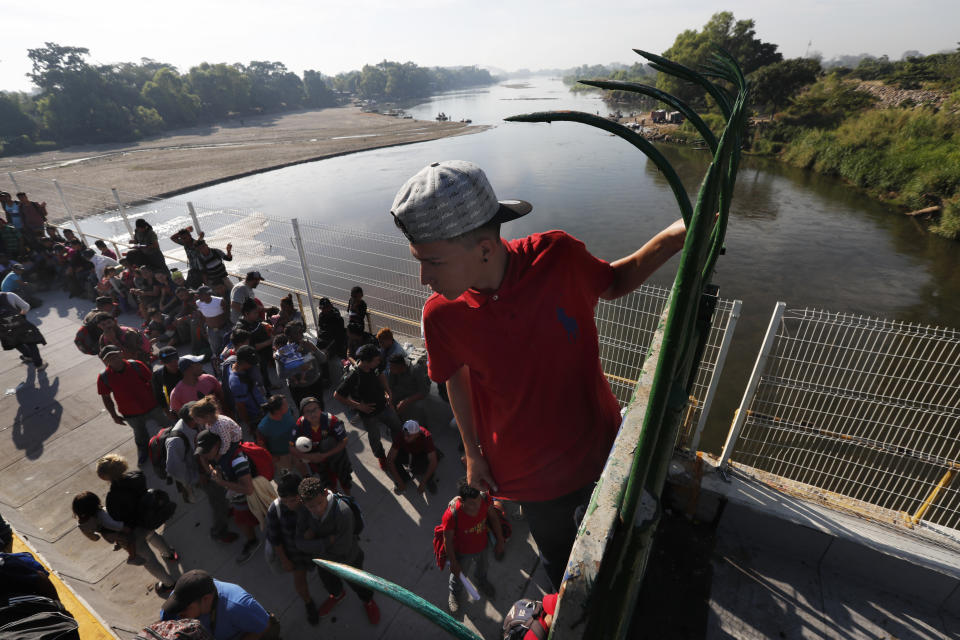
x=448 y=199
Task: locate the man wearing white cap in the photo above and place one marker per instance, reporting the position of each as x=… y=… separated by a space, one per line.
x=413 y=454
x=510 y=329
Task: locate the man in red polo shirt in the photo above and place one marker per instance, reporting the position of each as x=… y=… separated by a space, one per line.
x=510 y=329
x=129 y=381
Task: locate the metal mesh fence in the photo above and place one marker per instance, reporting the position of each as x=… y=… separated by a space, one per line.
x=861 y=407
x=340 y=258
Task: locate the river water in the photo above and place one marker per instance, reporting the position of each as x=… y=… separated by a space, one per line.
x=793 y=236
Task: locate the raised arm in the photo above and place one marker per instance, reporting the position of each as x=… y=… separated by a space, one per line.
x=633 y=270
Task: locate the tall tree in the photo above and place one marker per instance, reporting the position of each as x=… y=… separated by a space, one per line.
x=222 y=88
x=693 y=48
x=318 y=93
x=775 y=84
x=167 y=93
x=53 y=64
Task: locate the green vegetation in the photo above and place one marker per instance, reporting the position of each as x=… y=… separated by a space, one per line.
x=80 y=102
x=820 y=116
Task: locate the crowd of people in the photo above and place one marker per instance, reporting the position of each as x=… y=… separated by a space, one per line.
x=226 y=397
x=254 y=435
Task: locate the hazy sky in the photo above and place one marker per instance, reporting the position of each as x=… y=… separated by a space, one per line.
x=333 y=37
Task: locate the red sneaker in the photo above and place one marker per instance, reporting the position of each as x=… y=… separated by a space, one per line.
x=373 y=612
x=331 y=602
x=383 y=463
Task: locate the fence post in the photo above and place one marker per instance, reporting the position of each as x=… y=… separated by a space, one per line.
x=306 y=272
x=123 y=214
x=66 y=205
x=758 y=367
x=16 y=187
x=193 y=216
x=715 y=378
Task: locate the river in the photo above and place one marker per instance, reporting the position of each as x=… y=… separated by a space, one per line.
x=794 y=236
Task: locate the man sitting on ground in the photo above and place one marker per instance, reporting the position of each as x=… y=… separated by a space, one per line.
x=389 y=348
x=413 y=455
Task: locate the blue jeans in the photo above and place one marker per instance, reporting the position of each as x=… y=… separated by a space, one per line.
x=554 y=525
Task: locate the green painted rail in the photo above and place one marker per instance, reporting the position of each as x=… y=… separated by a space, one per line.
x=403 y=596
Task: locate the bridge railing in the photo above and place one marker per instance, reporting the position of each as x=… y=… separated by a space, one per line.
x=861 y=413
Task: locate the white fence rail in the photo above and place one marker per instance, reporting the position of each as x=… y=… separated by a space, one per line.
x=857 y=408
x=337 y=258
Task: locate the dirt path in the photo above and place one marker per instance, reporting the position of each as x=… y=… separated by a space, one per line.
x=200 y=156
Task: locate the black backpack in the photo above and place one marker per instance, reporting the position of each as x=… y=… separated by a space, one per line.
x=155 y=508
x=358 y=522
x=524 y=616
x=31 y=617
x=123 y=499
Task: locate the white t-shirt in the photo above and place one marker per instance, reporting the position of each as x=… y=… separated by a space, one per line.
x=101 y=262
x=211 y=309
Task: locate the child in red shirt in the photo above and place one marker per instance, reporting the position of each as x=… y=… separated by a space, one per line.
x=465 y=541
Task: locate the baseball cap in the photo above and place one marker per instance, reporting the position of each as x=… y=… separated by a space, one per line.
x=186 y=362
x=108 y=351
x=168 y=352
x=104 y=300
x=191 y=586
x=206 y=440
x=247 y=354
x=325 y=302
x=368 y=352
x=309 y=400
x=450 y=198
x=411 y=427
x=254 y=274
x=16 y=266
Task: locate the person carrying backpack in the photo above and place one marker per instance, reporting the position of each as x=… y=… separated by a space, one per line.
x=281 y=535
x=332 y=536
x=246 y=481
x=529 y=619
x=465 y=540
x=128 y=492
x=181 y=465
x=16 y=332
x=327 y=456
x=129 y=382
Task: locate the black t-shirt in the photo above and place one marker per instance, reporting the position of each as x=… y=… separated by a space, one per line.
x=257 y=334
x=364 y=386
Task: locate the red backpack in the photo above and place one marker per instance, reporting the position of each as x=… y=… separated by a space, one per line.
x=260 y=458
x=439 y=549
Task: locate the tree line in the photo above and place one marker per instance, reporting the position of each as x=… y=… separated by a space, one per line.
x=80 y=102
